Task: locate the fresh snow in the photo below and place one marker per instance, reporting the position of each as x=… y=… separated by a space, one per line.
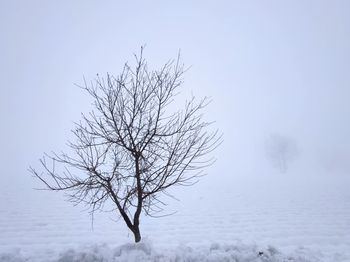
x=287 y=217
x=146 y=252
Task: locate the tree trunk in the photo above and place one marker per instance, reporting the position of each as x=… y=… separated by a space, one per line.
x=137 y=234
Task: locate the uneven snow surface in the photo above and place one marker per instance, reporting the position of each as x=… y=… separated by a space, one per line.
x=285 y=217
x=145 y=252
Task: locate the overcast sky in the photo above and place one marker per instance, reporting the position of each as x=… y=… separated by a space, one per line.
x=270 y=67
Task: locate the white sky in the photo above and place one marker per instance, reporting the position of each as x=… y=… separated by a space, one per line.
x=270 y=67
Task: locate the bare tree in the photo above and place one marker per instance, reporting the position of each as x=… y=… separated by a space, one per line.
x=281 y=150
x=131 y=148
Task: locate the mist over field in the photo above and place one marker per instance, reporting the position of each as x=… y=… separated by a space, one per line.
x=277 y=73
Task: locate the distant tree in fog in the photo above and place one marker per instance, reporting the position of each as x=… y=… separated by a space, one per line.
x=132 y=147
x=280 y=151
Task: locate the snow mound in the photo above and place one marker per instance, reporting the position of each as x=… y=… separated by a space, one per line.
x=13 y=256
x=145 y=251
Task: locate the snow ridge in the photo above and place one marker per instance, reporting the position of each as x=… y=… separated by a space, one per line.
x=145 y=251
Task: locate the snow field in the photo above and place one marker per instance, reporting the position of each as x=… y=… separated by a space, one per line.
x=287 y=218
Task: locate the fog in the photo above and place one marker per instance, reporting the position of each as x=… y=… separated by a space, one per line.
x=270 y=67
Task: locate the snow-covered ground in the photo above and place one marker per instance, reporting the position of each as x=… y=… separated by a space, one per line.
x=288 y=217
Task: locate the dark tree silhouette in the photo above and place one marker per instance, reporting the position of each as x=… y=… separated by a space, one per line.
x=131 y=147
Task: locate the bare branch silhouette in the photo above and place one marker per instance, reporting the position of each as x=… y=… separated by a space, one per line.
x=130 y=149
